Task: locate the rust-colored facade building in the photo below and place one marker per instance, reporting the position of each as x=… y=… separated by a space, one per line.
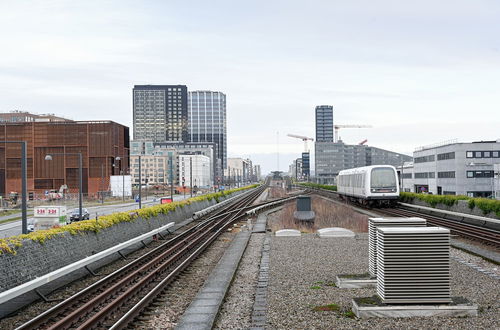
x=100 y=142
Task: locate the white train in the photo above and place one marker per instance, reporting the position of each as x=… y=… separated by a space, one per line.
x=377 y=184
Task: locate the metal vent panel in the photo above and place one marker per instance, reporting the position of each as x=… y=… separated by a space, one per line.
x=373 y=223
x=413 y=264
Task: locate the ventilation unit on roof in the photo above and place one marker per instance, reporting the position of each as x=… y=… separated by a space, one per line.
x=373 y=224
x=413 y=265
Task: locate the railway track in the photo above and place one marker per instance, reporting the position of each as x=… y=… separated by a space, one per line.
x=485 y=235
x=114 y=301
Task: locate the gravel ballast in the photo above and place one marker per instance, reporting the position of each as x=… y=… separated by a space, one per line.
x=303 y=270
x=236 y=311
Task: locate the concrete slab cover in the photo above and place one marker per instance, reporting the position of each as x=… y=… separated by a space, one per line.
x=203 y=310
x=335 y=232
x=355 y=281
x=459 y=307
x=287 y=233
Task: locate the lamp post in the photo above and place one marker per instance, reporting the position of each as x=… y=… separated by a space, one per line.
x=140 y=183
x=80 y=179
x=24 y=186
x=171 y=176
x=123 y=177
x=191 y=175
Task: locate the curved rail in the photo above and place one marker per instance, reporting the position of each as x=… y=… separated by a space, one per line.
x=115 y=300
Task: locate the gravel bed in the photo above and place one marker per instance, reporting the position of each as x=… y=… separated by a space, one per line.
x=33 y=310
x=182 y=291
x=236 y=310
x=303 y=268
x=486 y=265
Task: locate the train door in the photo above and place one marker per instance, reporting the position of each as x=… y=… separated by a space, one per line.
x=440 y=190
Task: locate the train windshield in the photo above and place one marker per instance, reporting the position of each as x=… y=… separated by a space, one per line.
x=383 y=177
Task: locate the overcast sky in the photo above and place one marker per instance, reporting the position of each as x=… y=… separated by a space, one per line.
x=420 y=72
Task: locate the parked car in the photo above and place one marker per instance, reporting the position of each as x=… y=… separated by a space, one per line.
x=74 y=215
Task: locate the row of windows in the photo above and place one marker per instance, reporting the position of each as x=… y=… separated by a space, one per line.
x=483 y=154
x=447 y=175
x=424 y=159
x=352 y=180
x=407 y=175
x=425 y=175
x=447 y=155
x=479 y=174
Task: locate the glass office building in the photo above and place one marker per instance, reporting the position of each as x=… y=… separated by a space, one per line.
x=160 y=113
x=207 y=120
x=324 y=123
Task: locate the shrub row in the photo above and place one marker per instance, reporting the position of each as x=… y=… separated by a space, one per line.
x=9 y=244
x=318 y=186
x=484 y=204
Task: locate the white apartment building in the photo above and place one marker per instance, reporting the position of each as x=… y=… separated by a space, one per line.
x=194 y=170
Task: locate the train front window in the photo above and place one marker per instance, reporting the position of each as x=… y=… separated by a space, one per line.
x=383 y=178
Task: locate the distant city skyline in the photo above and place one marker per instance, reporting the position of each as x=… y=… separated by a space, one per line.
x=419 y=72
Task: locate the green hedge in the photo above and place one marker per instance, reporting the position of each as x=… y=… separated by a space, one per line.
x=317 y=185
x=9 y=244
x=484 y=204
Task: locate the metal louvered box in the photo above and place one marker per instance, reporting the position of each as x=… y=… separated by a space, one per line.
x=413 y=265
x=373 y=224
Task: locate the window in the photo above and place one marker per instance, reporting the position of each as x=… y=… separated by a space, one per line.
x=479 y=174
x=470 y=154
x=447 y=155
x=477 y=154
x=487 y=154
x=449 y=193
x=495 y=154
x=448 y=174
x=425 y=175
x=424 y=159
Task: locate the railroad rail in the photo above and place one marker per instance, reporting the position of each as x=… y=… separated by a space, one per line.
x=471 y=231
x=115 y=300
x=486 y=235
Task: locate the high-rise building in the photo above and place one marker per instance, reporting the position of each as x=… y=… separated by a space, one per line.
x=324 y=123
x=160 y=112
x=207 y=120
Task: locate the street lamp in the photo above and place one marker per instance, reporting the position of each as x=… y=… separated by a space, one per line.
x=80 y=179
x=24 y=186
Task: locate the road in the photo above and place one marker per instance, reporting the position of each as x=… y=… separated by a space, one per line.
x=15 y=227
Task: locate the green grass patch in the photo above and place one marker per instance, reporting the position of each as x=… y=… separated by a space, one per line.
x=332 y=284
x=327 y=308
x=349 y=314
x=315 y=287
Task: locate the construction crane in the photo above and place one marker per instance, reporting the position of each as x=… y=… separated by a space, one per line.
x=337 y=127
x=363 y=142
x=303 y=138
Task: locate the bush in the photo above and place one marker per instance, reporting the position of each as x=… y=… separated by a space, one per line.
x=318 y=186
x=484 y=204
x=8 y=245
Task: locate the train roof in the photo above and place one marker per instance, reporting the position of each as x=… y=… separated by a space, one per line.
x=364 y=169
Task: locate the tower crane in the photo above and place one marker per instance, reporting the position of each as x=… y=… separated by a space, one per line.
x=303 y=138
x=337 y=127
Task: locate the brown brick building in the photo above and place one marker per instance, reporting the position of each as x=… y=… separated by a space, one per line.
x=100 y=142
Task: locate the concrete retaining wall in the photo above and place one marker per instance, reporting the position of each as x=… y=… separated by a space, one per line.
x=34 y=259
x=461 y=207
